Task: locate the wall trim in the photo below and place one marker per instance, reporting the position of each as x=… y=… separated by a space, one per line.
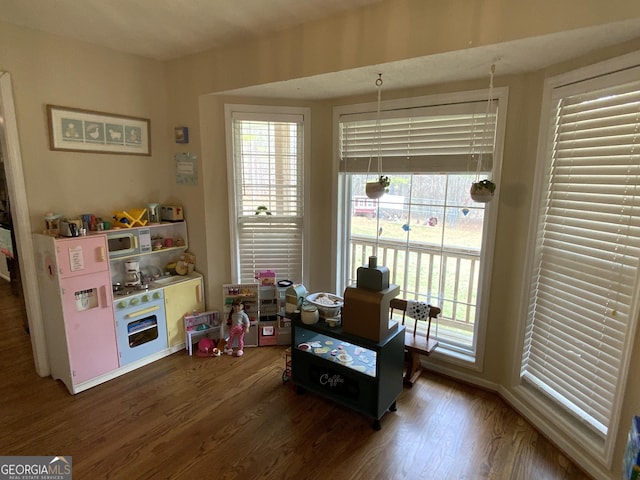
x=22 y=225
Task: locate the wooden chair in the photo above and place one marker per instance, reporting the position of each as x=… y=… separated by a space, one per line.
x=415 y=345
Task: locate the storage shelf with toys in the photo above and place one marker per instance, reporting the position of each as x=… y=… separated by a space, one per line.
x=151 y=238
x=160 y=249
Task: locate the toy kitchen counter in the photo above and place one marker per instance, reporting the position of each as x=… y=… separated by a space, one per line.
x=120 y=291
x=136 y=325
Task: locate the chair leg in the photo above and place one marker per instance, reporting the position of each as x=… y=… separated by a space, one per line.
x=414 y=369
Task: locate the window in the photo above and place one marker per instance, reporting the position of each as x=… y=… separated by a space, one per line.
x=426 y=229
x=583 y=290
x=266 y=190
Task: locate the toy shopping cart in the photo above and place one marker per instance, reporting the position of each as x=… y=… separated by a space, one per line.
x=286 y=374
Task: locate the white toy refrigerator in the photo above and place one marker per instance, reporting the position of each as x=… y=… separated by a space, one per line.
x=249 y=294
x=77 y=308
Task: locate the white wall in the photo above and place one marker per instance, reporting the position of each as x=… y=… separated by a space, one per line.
x=51 y=70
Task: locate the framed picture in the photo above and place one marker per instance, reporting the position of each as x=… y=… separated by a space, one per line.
x=76 y=130
x=182 y=135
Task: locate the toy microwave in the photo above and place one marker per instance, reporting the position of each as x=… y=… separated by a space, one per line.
x=171 y=213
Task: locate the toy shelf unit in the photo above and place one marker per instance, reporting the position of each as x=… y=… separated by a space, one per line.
x=249 y=293
x=199 y=326
x=268 y=303
x=168 y=235
x=283 y=330
x=364 y=375
x=268 y=324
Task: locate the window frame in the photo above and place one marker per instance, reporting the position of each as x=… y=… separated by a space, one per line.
x=473 y=361
x=267 y=113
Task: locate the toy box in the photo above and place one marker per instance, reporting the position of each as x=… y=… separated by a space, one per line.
x=267 y=278
x=267 y=333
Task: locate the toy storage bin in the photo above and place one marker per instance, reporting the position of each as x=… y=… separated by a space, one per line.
x=267 y=333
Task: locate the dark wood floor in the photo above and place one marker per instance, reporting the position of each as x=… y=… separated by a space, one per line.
x=225 y=418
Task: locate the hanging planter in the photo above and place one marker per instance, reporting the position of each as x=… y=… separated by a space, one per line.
x=377 y=188
x=482 y=191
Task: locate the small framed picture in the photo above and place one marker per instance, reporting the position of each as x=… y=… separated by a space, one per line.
x=182 y=135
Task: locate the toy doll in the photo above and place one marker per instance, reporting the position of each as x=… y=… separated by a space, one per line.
x=238 y=322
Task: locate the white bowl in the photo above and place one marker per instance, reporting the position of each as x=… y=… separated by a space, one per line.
x=328 y=304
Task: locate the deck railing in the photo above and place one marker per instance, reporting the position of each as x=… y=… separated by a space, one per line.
x=445 y=277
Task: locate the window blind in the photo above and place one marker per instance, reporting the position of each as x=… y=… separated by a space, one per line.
x=269 y=200
x=442 y=138
x=584 y=292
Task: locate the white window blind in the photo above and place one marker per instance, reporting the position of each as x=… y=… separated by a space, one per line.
x=584 y=291
x=268 y=192
x=437 y=138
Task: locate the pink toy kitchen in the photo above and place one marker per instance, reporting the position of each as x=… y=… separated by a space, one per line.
x=114 y=292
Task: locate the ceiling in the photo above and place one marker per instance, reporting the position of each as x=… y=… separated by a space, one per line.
x=169 y=29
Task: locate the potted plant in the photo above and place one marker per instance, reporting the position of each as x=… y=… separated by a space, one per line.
x=482 y=191
x=377 y=188
x=263 y=210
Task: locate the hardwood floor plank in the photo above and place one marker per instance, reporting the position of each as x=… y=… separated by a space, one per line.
x=233 y=418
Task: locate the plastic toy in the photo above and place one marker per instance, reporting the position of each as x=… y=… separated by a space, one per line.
x=132 y=218
x=239 y=324
x=207 y=348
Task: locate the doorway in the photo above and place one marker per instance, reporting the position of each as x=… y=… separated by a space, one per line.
x=10 y=145
x=9 y=266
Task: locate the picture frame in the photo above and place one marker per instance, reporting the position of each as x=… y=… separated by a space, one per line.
x=79 y=130
x=182 y=134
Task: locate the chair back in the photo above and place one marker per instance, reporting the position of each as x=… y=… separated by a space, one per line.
x=401 y=305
